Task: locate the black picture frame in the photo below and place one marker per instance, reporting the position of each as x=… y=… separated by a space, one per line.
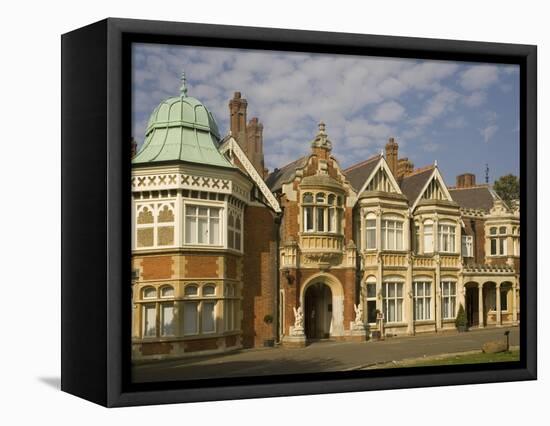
x=96 y=253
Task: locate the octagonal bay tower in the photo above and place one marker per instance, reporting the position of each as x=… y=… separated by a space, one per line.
x=201 y=282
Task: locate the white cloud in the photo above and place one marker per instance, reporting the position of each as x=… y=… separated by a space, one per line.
x=389 y=112
x=475 y=99
x=488 y=132
x=457 y=122
x=479 y=77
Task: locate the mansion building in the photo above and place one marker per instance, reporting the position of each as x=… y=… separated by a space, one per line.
x=226 y=255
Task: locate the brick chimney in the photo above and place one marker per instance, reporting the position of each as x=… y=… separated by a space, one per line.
x=392 y=151
x=254 y=145
x=466 y=180
x=237 y=119
x=404 y=167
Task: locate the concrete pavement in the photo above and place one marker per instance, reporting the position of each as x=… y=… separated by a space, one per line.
x=318 y=357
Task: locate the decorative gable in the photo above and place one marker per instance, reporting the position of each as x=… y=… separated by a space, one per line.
x=381 y=179
x=434 y=189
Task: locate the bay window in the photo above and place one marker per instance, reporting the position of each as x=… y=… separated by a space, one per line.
x=422 y=300
x=234 y=230
x=428 y=237
x=392 y=301
x=370 y=232
x=448 y=299
x=202 y=225
x=498 y=244
x=158 y=318
x=446 y=238
x=199 y=313
x=321 y=212
x=392 y=234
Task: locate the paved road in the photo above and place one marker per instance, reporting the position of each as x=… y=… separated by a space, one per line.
x=319 y=356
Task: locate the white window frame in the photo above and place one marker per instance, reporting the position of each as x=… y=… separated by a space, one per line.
x=370 y=217
x=371 y=281
x=386 y=299
x=235 y=231
x=500 y=239
x=221 y=218
x=467 y=246
x=329 y=213
x=425 y=299
x=447 y=234
x=391 y=227
x=449 y=299
x=428 y=237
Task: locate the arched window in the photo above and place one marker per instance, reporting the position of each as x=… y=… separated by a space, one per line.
x=234 y=230
x=149 y=293
x=145 y=226
x=166 y=291
x=321 y=212
x=191 y=290
x=308 y=198
x=209 y=290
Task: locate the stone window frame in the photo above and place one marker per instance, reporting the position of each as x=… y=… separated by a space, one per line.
x=426 y=223
x=157 y=303
x=446 y=228
x=234 y=232
x=425 y=295
x=467 y=245
x=370 y=217
x=451 y=297
x=370 y=281
x=222 y=222
x=321 y=203
x=399 y=284
x=395 y=219
x=200 y=298
x=499 y=239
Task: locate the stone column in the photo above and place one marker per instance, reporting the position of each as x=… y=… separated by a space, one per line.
x=363 y=240
x=409 y=304
x=480 y=305
x=499 y=312
x=378 y=229
x=514 y=304
x=437 y=294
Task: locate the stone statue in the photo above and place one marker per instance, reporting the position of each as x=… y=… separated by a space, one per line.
x=298 y=318
x=358 y=314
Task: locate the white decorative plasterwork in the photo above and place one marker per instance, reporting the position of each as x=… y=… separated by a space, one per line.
x=231 y=145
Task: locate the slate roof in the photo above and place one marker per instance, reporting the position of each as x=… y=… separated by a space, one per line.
x=358 y=173
x=278 y=177
x=476 y=197
x=412 y=185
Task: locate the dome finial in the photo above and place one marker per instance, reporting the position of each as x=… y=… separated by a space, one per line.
x=183 y=87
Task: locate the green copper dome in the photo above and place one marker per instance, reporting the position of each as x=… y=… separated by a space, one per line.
x=181 y=128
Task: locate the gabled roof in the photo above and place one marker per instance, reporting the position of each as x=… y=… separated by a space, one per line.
x=358 y=174
x=413 y=184
x=479 y=197
x=278 y=177
x=230 y=144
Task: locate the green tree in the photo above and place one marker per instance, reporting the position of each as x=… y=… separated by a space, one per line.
x=507 y=188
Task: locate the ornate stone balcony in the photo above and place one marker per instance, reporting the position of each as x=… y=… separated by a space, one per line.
x=321 y=242
x=423 y=262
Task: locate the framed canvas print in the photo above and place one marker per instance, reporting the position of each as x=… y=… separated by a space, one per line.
x=253 y=212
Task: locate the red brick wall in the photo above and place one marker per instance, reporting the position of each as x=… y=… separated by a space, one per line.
x=201 y=266
x=259 y=276
x=156 y=267
x=476 y=226
x=231 y=267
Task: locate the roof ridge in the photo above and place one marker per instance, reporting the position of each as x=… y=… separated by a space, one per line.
x=362 y=163
x=289 y=164
x=477 y=186
x=419 y=170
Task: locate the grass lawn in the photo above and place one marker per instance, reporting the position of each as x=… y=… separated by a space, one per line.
x=470 y=358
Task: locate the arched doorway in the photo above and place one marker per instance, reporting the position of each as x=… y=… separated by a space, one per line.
x=318 y=311
x=472 y=303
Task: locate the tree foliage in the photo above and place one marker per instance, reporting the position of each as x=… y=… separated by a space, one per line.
x=507 y=188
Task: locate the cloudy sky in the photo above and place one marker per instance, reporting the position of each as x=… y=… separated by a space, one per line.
x=463 y=115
